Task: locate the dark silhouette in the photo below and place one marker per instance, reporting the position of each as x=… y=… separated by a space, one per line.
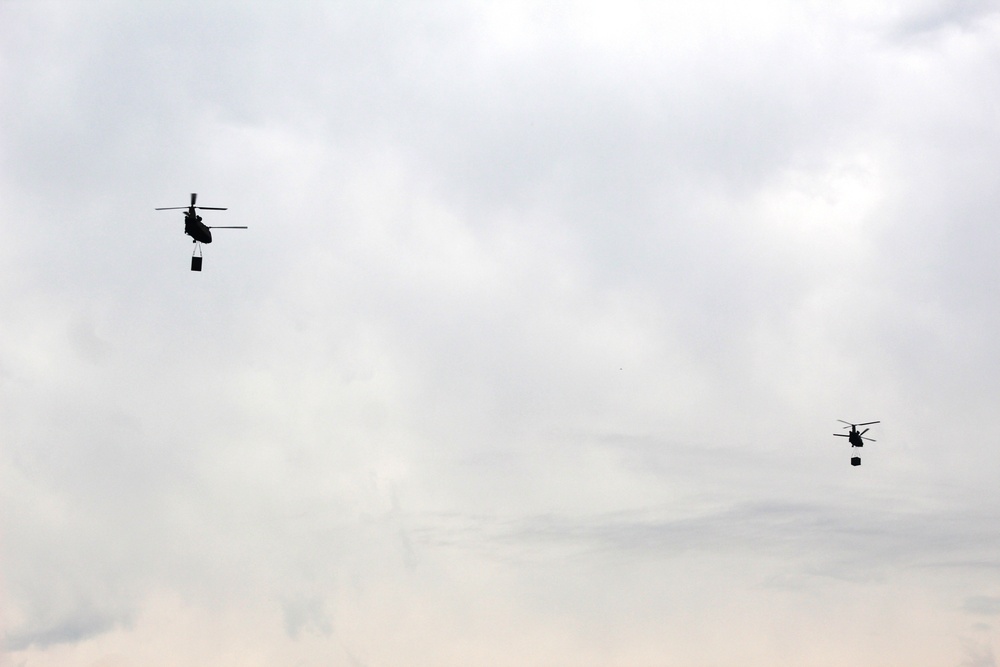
x=196 y=229
x=855 y=438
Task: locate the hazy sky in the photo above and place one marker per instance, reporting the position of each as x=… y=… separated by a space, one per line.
x=534 y=350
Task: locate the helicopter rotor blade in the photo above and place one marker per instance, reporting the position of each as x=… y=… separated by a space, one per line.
x=210 y=208
x=842 y=435
x=843 y=422
x=869 y=439
x=869 y=423
x=865 y=431
x=171 y=208
x=229 y=227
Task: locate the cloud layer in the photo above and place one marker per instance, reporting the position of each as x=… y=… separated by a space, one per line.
x=535 y=346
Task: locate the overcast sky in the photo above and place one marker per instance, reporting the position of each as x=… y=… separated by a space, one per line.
x=533 y=351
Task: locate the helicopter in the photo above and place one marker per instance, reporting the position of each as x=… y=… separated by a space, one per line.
x=855 y=438
x=196 y=229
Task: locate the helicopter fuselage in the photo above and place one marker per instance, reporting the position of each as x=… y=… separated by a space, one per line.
x=855 y=439
x=196 y=229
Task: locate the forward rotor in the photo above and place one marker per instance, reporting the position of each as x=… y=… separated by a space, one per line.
x=191 y=207
x=855 y=426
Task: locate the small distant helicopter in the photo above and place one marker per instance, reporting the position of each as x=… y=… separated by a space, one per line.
x=855 y=438
x=196 y=229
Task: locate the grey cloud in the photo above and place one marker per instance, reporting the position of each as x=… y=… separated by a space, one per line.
x=978 y=654
x=858 y=545
x=61 y=631
x=926 y=19
x=306 y=615
x=563 y=303
x=982 y=605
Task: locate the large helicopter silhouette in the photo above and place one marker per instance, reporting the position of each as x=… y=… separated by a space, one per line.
x=856 y=438
x=196 y=229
